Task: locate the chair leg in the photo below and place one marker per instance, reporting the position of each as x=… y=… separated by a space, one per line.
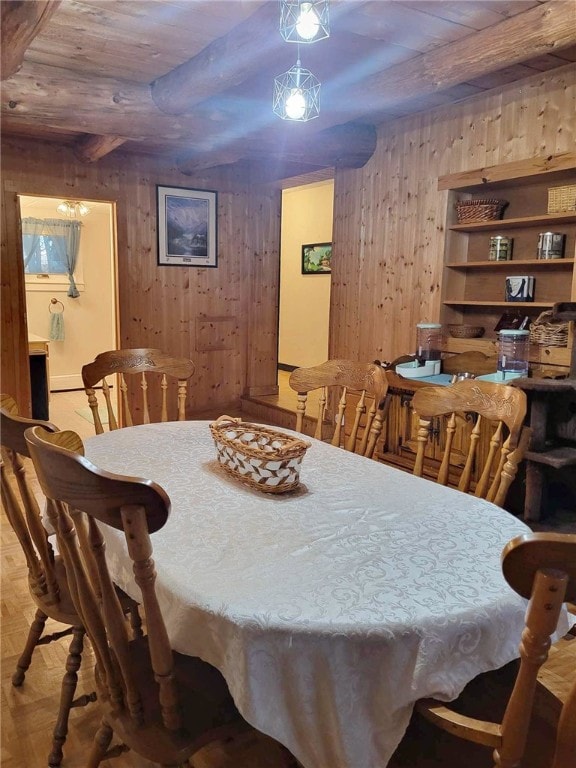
x=100 y=746
x=34 y=635
x=69 y=682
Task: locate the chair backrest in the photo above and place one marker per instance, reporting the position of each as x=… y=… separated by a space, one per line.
x=369 y=384
x=500 y=407
x=150 y=364
x=137 y=507
x=20 y=502
x=542 y=568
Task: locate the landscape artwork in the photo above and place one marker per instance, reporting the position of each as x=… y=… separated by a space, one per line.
x=186 y=227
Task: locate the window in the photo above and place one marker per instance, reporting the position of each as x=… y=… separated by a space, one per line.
x=47 y=256
x=50 y=249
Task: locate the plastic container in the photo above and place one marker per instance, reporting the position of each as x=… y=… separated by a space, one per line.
x=513 y=349
x=429 y=341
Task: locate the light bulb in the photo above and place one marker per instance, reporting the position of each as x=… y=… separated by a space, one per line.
x=295 y=104
x=308 y=22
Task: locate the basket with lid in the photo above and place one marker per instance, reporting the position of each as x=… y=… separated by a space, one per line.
x=263 y=458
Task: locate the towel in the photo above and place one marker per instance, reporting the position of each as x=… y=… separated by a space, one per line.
x=57 y=326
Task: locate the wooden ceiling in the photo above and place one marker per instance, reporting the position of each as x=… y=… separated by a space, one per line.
x=193 y=80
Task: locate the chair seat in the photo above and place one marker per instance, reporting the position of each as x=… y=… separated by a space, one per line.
x=556 y=679
x=206 y=706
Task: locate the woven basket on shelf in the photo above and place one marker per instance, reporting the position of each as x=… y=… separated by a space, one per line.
x=479 y=210
x=466 y=331
x=258 y=456
x=552 y=333
x=562 y=199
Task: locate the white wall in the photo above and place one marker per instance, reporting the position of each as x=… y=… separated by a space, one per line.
x=89 y=323
x=304 y=299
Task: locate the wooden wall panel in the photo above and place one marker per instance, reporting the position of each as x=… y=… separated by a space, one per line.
x=161 y=306
x=389 y=216
x=15 y=371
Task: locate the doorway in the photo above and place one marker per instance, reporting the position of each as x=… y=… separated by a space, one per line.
x=86 y=325
x=304 y=306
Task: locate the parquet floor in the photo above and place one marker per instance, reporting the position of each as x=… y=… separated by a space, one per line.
x=28 y=712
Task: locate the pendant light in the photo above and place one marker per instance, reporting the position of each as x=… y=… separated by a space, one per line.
x=297 y=92
x=304 y=22
x=297 y=95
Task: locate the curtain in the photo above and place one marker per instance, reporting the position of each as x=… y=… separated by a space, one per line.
x=68 y=248
x=34 y=228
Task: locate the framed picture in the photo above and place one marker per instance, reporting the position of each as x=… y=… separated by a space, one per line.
x=316 y=259
x=186 y=227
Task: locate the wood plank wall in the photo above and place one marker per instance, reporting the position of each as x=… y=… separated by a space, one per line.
x=389 y=216
x=388 y=236
x=225 y=319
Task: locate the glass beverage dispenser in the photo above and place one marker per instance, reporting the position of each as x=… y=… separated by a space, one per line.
x=513 y=349
x=428 y=341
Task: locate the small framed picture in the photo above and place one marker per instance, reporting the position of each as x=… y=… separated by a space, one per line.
x=316 y=259
x=186 y=227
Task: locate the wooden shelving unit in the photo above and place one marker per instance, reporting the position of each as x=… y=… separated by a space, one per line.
x=473 y=287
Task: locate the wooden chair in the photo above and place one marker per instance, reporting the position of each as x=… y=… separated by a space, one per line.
x=154 y=367
x=541 y=567
x=163 y=705
x=342 y=377
x=500 y=405
x=46 y=574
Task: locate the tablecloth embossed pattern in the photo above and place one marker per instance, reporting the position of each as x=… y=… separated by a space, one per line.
x=329 y=610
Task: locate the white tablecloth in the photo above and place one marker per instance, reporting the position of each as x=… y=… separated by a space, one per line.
x=330 y=610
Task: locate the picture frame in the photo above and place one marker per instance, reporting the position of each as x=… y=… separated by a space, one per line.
x=186 y=227
x=316 y=259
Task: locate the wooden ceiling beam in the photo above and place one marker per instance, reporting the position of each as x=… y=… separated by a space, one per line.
x=228 y=61
x=21 y=21
x=345 y=146
x=93 y=147
x=86 y=104
x=547 y=28
x=231 y=59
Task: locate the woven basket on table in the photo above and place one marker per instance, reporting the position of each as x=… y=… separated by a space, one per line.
x=552 y=333
x=258 y=456
x=479 y=210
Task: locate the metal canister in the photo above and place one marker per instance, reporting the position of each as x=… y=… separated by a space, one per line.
x=500 y=248
x=551 y=245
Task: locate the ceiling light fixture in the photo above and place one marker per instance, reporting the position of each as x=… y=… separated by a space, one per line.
x=297 y=95
x=73 y=208
x=304 y=22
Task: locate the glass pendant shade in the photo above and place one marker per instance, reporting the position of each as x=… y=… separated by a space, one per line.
x=304 y=22
x=73 y=208
x=297 y=95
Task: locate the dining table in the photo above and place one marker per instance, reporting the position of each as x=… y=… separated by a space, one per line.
x=330 y=610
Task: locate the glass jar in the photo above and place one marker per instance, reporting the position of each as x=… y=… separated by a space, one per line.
x=500 y=248
x=513 y=349
x=551 y=245
x=429 y=341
